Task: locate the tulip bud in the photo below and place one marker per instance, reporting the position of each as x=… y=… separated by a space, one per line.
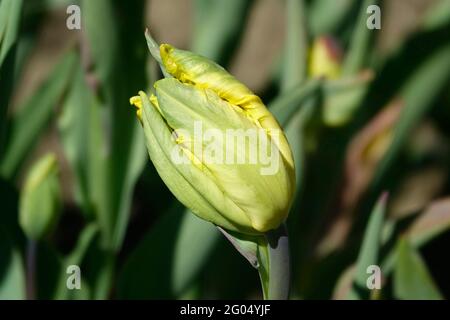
x=40 y=199
x=325 y=58
x=216 y=146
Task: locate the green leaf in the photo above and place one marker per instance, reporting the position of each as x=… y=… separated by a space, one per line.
x=412 y=280
x=218 y=28
x=437 y=16
x=296 y=47
x=82 y=137
x=429 y=224
x=32 y=118
x=285 y=106
x=10 y=11
x=169 y=258
x=85 y=241
x=418 y=95
x=326 y=17
x=114 y=35
x=432 y=222
x=360 y=45
x=369 y=251
x=343 y=97
x=12 y=274
x=245 y=245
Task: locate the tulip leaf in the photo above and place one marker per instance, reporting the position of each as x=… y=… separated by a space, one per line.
x=412 y=280
x=360 y=44
x=369 y=251
x=437 y=16
x=76 y=257
x=30 y=121
x=12 y=274
x=169 y=258
x=10 y=12
x=328 y=17
x=246 y=245
x=418 y=95
x=429 y=224
x=296 y=47
x=118 y=55
x=343 y=97
x=284 y=106
x=218 y=28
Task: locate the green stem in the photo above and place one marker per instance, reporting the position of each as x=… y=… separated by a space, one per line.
x=275 y=264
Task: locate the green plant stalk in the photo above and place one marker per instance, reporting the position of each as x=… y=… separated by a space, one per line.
x=274 y=264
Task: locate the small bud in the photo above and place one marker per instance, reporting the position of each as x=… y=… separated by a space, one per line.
x=325 y=58
x=40 y=199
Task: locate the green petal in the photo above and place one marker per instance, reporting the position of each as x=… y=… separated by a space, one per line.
x=188 y=183
x=263 y=198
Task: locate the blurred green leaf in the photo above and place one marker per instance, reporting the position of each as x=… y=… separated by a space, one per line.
x=327 y=16
x=344 y=284
x=429 y=224
x=432 y=222
x=32 y=118
x=218 y=27
x=83 y=141
x=286 y=105
x=10 y=12
x=76 y=257
x=245 y=245
x=12 y=275
x=169 y=258
x=412 y=280
x=115 y=38
x=360 y=45
x=438 y=15
x=296 y=46
x=418 y=94
x=343 y=97
x=369 y=251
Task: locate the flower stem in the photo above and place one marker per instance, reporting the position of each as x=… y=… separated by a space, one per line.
x=279 y=264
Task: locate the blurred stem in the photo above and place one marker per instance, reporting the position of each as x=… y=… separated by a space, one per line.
x=296 y=48
x=274 y=260
x=31 y=269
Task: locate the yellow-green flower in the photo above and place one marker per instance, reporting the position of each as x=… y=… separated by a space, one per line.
x=239 y=196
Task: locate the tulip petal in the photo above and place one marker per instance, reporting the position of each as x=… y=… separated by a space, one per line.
x=190 y=185
x=263 y=198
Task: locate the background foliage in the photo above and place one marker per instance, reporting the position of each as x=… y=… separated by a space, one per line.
x=371 y=147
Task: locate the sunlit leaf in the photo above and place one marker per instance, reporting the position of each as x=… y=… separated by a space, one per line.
x=412 y=280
